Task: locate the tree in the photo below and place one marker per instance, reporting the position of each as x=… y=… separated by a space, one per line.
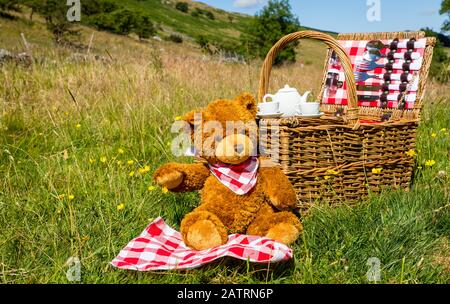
x=439 y=65
x=9 y=5
x=95 y=7
x=210 y=15
x=273 y=22
x=143 y=26
x=125 y=21
x=445 y=9
x=202 y=41
x=176 y=38
x=182 y=7
x=55 y=15
x=196 y=12
x=35 y=5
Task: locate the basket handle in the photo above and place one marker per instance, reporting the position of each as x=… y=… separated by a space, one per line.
x=352 y=109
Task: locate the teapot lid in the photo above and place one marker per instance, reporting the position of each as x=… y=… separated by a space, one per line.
x=288 y=89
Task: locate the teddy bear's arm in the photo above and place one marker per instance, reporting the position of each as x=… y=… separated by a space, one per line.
x=278 y=189
x=182 y=177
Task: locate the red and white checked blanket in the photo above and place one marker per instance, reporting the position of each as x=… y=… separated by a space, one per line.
x=238 y=178
x=159 y=247
x=356 y=49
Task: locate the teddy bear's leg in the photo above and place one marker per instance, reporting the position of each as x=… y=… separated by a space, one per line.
x=283 y=226
x=203 y=230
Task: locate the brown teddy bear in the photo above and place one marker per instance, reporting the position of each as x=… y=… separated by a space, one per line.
x=238 y=193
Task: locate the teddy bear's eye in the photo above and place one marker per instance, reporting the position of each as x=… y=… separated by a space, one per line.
x=218 y=138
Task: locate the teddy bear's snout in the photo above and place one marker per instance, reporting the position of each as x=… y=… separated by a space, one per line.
x=234 y=149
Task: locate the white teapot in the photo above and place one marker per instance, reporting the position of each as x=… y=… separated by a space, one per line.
x=289 y=100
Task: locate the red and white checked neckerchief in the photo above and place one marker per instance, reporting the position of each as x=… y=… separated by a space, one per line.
x=159 y=247
x=238 y=178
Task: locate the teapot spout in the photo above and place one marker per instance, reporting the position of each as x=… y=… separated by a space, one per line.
x=305 y=96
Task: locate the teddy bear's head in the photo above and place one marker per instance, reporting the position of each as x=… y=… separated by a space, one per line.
x=225 y=131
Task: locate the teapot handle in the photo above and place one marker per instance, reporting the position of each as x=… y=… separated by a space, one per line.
x=268 y=96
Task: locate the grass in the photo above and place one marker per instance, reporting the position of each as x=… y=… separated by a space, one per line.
x=447 y=50
x=53 y=144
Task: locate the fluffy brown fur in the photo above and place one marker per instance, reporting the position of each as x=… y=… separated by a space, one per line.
x=264 y=211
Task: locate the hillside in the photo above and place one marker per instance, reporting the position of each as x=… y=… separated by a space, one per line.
x=226 y=26
x=223 y=29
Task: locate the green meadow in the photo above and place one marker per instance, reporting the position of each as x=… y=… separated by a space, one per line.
x=79 y=141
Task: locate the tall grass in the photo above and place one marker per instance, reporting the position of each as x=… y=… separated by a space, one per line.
x=63 y=127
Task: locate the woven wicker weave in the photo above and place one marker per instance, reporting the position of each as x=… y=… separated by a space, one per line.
x=331 y=159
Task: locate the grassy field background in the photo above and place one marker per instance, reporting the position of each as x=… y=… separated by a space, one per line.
x=75 y=138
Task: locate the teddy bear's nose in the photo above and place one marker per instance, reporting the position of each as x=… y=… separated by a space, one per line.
x=239 y=148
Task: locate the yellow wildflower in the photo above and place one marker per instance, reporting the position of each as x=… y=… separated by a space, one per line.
x=91 y=161
x=119 y=163
x=165 y=190
x=121 y=151
x=103 y=159
x=120 y=207
x=78 y=126
x=411 y=153
x=178 y=118
x=444 y=130
x=131 y=174
x=130 y=162
x=377 y=170
x=327 y=177
x=61 y=196
x=434 y=135
x=332 y=172
x=151 y=188
x=144 y=170
x=71 y=197
x=430 y=163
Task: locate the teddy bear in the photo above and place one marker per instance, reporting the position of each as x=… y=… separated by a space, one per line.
x=238 y=193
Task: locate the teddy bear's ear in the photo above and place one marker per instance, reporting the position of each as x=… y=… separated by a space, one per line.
x=248 y=102
x=189 y=117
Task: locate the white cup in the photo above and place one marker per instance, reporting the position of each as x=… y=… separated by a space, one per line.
x=310 y=108
x=269 y=107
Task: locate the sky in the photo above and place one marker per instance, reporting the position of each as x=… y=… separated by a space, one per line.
x=351 y=15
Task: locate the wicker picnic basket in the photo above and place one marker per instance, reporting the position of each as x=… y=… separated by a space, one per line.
x=331 y=159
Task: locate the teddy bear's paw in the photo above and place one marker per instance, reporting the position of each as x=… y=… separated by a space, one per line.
x=168 y=177
x=285 y=233
x=203 y=235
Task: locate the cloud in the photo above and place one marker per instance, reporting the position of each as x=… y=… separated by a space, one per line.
x=430 y=12
x=246 y=3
